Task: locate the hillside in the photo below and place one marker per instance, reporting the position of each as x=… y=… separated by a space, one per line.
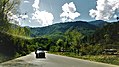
x=14 y=41
x=15 y=29
x=83 y=27
x=99 y=23
x=108 y=35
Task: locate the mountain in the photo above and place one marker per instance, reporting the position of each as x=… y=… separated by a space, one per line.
x=99 y=23
x=14 y=29
x=83 y=27
x=109 y=34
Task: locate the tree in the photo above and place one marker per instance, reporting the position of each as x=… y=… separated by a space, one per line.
x=61 y=44
x=7 y=6
x=77 y=37
x=74 y=40
x=107 y=38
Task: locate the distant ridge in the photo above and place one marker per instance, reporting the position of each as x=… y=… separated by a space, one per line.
x=82 y=26
x=98 y=23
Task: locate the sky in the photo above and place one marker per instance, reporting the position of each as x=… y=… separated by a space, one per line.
x=40 y=13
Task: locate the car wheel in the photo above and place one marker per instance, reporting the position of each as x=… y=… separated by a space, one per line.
x=36 y=55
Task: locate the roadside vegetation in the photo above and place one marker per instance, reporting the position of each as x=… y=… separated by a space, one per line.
x=109 y=59
x=102 y=46
x=15 y=41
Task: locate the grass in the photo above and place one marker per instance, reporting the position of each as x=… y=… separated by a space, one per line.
x=110 y=59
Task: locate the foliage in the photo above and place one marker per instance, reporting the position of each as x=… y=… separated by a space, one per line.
x=61 y=28
x=110 y=59
x=107 y=36
x=16 y=46
x=21 y=31
x=5 y=7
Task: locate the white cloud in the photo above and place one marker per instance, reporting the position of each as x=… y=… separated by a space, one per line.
x=36 y=4
x=26 y=1
x=69 y=12
x=115 y=16
x=105 y=10
x=16 y=19
x=43 y=17
x=24 y=16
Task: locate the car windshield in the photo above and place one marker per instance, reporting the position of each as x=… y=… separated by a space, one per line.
x=41 y=49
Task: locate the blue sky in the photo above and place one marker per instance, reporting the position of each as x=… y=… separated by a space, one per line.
x=55 y=7
x=51 y=10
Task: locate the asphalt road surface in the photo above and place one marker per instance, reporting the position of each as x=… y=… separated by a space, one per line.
x=52 y=61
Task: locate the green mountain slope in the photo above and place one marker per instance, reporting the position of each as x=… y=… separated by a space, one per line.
x=99 y=23
x=108 y=35
x=83 y=27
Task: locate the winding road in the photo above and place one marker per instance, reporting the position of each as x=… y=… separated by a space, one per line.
x=52 y=61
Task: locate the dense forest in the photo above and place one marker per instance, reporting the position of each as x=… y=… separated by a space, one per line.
x=108 y=35
x=82 y=26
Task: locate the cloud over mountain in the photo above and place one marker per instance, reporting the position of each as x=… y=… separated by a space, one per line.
x=69 y=12
x=105 y=10
x=44 y=18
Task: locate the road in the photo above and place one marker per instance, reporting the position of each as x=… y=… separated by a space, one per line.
x=51 y=61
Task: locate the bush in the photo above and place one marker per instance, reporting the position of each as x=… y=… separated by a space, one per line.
x=54 y=48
